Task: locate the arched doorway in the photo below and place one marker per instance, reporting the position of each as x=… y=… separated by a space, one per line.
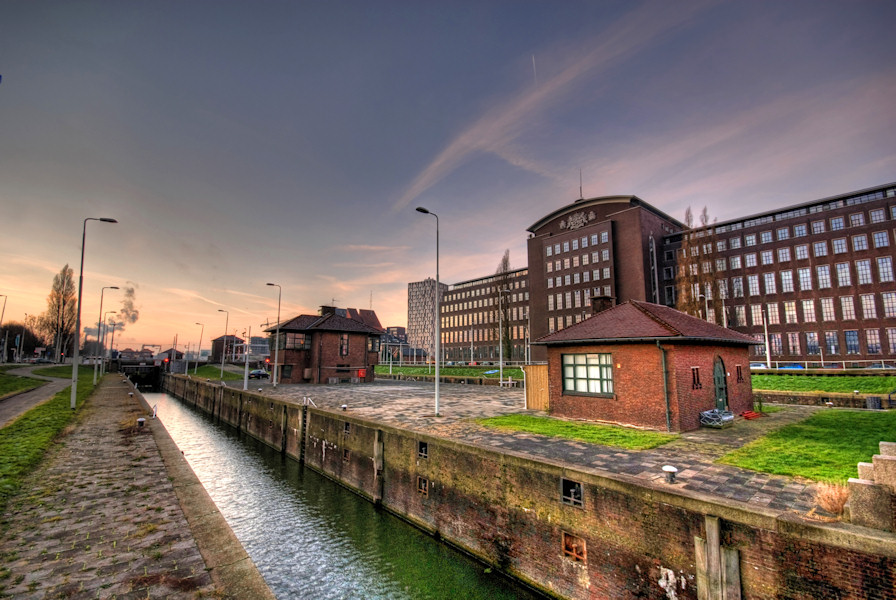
x=720 y=383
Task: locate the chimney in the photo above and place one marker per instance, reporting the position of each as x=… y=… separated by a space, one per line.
x=327 y=310
x=601 y=303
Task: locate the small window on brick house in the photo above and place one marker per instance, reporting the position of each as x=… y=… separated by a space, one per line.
x=740 y=374
x=343 y=344
x=574 y=547
x=422 y=450
x=695 y=378
x=423 y=486
x=347 y=428
x=346 y=455
x=571 y=492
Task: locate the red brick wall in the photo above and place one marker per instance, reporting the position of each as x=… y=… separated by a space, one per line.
x=324 y=353
x=638 y=385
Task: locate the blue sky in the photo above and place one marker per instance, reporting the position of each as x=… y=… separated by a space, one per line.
x=244 y=142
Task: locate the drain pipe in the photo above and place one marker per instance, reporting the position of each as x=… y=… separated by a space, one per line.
x=666 y=387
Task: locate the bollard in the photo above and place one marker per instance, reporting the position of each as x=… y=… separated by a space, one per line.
x=670 y=472
x=140 y=422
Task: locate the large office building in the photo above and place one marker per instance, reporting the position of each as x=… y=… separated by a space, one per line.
x=817 y=276
x=421 y=331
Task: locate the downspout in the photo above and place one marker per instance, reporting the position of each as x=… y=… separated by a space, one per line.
x=666 y=387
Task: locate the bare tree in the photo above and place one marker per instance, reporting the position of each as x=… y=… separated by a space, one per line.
x=502 y=305
x=696 y=283
x=58 y=322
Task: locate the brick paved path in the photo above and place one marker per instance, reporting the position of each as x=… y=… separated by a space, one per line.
x=100 y=519
x=411 y=404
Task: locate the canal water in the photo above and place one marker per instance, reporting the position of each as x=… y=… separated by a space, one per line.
x=312 y=538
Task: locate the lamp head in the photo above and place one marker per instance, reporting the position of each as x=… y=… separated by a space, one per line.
x=272 y=284
x=108 y=220
x=221 y=310
x=113 y=287
x=420 y=209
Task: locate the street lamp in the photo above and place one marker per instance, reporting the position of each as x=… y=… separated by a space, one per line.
x=75 y=355
x=2 y=341
x=224 y=341
x=98 y=327
x=706 y=306
x=112 y=342
x=277 y=339
x=420 y=209
x=501 y=335
x=199 y=348
x=22 y=339
x=103 y=343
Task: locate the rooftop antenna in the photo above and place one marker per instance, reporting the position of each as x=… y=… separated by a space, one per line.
x=371 y=299
x=581 y=195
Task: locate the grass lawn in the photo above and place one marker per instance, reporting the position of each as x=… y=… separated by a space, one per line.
x=12 y=384
x=514 y=372
x=592 y=433
x=65 y=372
x=24 y=442
x=826 y=447
x=213 y=372
x=845 y=384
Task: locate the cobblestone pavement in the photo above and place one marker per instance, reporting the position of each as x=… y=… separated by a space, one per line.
x=411 y=404
x=100 y=518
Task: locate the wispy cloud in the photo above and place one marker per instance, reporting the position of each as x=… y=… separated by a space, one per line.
x=497 y=128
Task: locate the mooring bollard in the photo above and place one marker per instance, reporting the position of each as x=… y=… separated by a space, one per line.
x=670 y=472
x=140 y=422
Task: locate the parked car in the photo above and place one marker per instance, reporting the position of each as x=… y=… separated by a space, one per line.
x=43 y=361
x=757 y=365
x=258 y=374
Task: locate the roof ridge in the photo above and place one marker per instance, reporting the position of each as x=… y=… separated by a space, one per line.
x=637 y=304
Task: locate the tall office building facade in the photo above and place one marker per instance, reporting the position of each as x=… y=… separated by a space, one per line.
x=421 y=314
x=818 y=276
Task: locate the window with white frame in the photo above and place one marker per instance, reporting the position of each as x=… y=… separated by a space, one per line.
x=786 y=281
x=827 y=309
x=872 y=341
x=808 y=311
x=859 y=242
x=843 y=277
x=847 y=308
x=588 y=373
x=889 y=302
x=783 y=254
x=869 y=310
x=863 y=271
x=823 y=272
x=881 y=239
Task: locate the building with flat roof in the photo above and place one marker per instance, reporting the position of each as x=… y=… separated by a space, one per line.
x=421 y=331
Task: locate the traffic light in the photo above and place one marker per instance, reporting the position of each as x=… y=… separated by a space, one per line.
x=267 y=361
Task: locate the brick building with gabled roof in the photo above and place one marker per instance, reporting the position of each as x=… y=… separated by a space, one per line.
x=647 y=365
x=326 y=348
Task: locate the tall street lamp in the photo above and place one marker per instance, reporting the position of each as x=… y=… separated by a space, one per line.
x=501 y=335
x=75 y=355
x=103 y=342
x=99 y=326
x=199 y=348
x=420 y=209
x=22 y=339
x=3 y=340
x=277 y=339
x=224 y=342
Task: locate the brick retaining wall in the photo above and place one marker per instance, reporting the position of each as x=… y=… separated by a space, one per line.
x=636 y=539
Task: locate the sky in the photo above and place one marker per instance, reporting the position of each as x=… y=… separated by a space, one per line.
x=241 y=143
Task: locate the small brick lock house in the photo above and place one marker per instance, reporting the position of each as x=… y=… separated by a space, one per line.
x=326 y=348
x=647 y=365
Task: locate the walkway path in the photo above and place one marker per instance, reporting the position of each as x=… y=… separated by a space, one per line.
x=13 y=407
x=114 y=511
x=411 y=404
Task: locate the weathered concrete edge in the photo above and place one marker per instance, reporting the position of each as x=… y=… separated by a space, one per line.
x=838 y=534
x=229 y=564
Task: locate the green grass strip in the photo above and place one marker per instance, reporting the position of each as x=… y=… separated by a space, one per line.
x=825 y=447
x=13 y=384
x=842 y=384
x=213 y=372
x=592 y=433
x=514 y=372
x=24 y=442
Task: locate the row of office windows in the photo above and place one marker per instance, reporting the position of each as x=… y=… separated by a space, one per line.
x=828 y=343
x=858 y=243
x=575 y=298
x=574 y=261
x=813 y=311
x=573 y=245
x=579 y=277
x=558 y=323
x=517 y=332
x=518 y=282
x=516 y=313
x=817 y=227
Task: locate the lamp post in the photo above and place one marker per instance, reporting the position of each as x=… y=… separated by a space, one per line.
x=75 y=355
x=501 y=335
x=99 y=326
x=277 y=338
x=706 y=306
x=2 y=341
x=112 y=342
x=224 y=342
x=21 y=339
x=199 y=348
x=103 y=342
x=420 y=209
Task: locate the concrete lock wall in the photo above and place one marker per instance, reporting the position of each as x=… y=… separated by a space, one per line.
x=613 y=536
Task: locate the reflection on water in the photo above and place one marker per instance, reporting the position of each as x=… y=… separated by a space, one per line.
x=312 y=538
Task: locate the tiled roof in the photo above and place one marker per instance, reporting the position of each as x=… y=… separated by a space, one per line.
x=636 y=320
x=329 y=322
